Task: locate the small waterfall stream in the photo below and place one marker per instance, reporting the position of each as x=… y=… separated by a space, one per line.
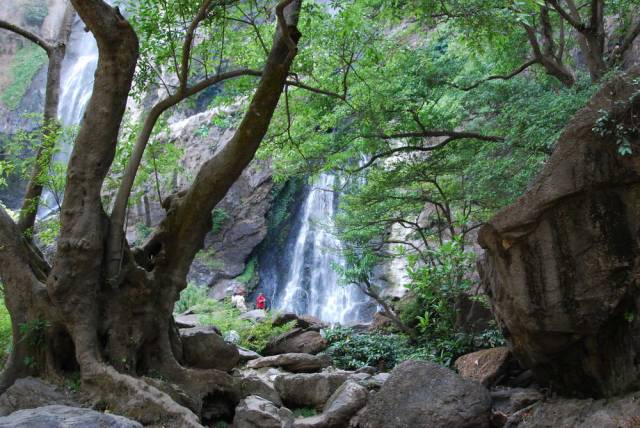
x=308 y=282
x=78 y=68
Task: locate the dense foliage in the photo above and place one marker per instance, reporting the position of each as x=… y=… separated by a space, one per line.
x=428 y=141
x=434 y=114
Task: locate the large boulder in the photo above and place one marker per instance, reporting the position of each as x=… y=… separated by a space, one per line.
x=247 y=354
x=562 y=263
x=187 y=320
x=485 y=366
x=256 y=412
x=309 y=389
x=295 y=362
x=204 y=348
x=341 y=406
x=296 y=341
x=64 y=417
x=29 y=393
x=422 y=394
x=622 y=412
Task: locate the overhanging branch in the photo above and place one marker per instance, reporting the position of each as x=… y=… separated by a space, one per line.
x=451 y=136
x=511 y=75
x=48 y=47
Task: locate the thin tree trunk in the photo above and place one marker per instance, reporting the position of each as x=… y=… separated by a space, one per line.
x=55 y=52
x=367 y=288
x=147 y=210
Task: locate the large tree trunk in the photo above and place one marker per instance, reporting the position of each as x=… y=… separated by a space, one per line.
x=120 y=330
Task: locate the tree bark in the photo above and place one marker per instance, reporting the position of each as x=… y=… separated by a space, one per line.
x=591 y=36
x=551 y=62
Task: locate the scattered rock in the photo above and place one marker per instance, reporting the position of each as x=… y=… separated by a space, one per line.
x=355 y=421
x=176 y=393
x=309 y=389
x=423 y=394
x=485 y=366
x=232 y=337
x=367 y=369
x=205 y=349
x=254 y=315
x=522 y=380
x=472 y=315
x=247 y=354
x=381 y=322
x=256 y=412
x=562 y=263
x=188 y=320
x=29 y=393
x=507 y=401
x=252 y=382
x=341 y=406
x=294 y=362
x=283 y=318
x=360 y=377
x=65 y=417
x=296 y=341
x=305 y=322
x=375 y=381
x=311 y=323
x=622 y=412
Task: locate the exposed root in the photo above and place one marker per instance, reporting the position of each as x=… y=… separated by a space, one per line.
x=197 y=383
x=136 y=399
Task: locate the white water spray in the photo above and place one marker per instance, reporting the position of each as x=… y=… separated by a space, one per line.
x=77 y=74
x=313 y=286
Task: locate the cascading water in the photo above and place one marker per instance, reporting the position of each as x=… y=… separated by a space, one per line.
x=308 y=282
x=78 y=68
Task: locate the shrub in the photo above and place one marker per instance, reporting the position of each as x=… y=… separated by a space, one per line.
x=218 y=218
x=226 y=317
x=249 y=271
x=142 y=232
x=351 y=350
x=5 y=332
x=190 y=297
x=304 y=412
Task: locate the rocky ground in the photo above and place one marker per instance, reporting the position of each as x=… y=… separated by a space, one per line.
x=296 y=386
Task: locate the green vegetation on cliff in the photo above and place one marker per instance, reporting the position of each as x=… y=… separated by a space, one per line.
x=24 y=66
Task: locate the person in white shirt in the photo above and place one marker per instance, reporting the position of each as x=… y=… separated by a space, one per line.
x=238 y=300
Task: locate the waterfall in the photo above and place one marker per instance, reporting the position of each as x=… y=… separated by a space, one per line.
x=309 y=283
x=76 y=85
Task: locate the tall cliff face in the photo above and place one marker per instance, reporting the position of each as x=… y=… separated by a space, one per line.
x=239 y=220
x=562 y=264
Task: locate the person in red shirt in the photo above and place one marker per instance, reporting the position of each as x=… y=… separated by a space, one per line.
x=261 y=301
